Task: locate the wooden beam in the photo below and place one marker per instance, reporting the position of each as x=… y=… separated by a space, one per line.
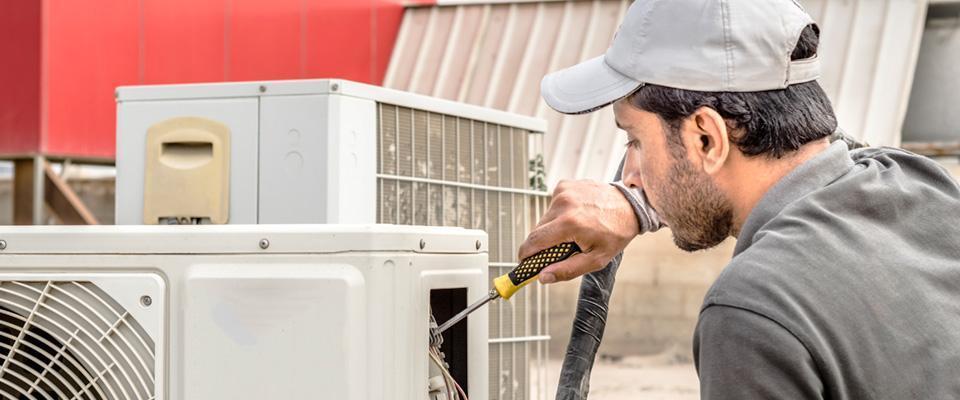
x=63 y=201
x=23 y=191
x=933 y=149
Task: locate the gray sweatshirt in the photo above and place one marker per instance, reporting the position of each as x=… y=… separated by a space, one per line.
x=845 y=284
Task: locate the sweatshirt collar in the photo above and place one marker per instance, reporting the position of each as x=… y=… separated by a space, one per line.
x=813 y=174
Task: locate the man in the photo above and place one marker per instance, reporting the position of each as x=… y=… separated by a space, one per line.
x=845 y=280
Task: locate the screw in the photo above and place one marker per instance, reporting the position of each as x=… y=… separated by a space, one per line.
x=334 y=87
x=263 y=88
x=146 y=301
x=264 y=243
x=3 y=244
x=478 y=245
x=423 y=244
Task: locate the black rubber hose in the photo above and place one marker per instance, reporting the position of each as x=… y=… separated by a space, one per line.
x=588 y=324
x=591 y=319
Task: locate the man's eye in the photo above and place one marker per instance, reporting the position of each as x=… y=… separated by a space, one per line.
x=634 y=143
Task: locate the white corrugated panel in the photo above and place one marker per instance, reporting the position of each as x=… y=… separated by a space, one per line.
x=495 y=55
x=869 y=53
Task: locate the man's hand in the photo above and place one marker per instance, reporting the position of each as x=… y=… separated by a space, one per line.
x=595 y=215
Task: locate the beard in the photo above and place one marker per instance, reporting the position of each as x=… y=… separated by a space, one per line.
x=699 y=215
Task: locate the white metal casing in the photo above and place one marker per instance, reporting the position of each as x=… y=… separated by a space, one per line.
x=270 y=311
x=335 y=151
x=322 y=168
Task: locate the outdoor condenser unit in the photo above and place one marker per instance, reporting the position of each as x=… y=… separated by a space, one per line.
x=334 y=151
x=237 y=312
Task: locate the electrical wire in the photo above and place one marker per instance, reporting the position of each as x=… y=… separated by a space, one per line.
x=460 y=389
x=449 y=382
x=436 y=339
x=448 y=378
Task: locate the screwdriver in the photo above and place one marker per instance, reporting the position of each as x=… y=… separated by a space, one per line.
x=507 y=284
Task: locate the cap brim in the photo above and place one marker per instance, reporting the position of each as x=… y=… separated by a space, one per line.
x=585 y=87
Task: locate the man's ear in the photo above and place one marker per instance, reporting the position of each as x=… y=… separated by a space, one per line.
x=708 y=139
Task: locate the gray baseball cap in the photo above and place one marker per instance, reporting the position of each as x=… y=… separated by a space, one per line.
x=703 y=45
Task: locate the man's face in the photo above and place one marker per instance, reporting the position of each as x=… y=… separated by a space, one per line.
x=698 y=213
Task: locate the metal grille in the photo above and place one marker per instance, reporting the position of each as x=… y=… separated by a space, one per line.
x=437 y=169
x=70 y=340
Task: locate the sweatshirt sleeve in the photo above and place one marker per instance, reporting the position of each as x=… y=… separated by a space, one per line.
x=740 y=354
x=648 y=220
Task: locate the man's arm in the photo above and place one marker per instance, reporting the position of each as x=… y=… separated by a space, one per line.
x=743 y=355
x=595 y=215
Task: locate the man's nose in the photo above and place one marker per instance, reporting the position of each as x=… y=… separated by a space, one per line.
x=633 y=178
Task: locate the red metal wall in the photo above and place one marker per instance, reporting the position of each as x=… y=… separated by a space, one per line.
x=20 y=77
x=68 y=56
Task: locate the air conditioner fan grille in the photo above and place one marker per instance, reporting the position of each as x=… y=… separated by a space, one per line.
x=63 y=340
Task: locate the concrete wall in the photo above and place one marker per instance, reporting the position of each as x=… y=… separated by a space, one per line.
x=936 y=84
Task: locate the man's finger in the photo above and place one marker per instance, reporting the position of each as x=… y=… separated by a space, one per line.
x=578 y=264
x=561 y=204
x=552 y=213
x=543 y=237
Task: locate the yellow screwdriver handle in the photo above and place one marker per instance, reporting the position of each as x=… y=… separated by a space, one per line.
x=509 y=283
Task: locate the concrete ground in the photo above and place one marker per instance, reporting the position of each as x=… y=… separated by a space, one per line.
x=664 y=376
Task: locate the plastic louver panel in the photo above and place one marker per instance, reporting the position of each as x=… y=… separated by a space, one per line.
x=449 y=211
x=449 y=133
x=435 y=198
x=420 y=152
x=436 y=169
x=435 y=145
x=479 y=208
x=70 y=340
x=405 y=148
x=405 y=194
x=464 y=154
x=493 y=229
x=420 y=203
x=479 y=169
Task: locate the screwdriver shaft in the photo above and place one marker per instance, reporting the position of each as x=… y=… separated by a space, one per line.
x=463 y=314
x=507 y=284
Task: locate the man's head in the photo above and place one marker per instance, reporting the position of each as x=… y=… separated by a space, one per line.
x=731 y=96
x=686 y=197
x=684 y=140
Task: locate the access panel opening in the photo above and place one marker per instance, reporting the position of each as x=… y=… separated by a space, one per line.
x=445 y=303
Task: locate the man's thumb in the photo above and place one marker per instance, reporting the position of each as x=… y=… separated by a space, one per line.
x=578 y=264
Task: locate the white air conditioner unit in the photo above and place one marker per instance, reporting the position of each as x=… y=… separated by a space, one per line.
x=334 y=151
x=237 y=312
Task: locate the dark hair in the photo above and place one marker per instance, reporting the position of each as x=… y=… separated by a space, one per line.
x=771 y=123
